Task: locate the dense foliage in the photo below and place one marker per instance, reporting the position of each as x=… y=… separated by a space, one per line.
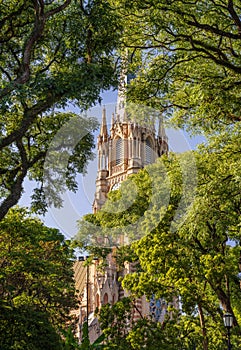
x=52 y=53
x=121 y=332
x=186 y=57
x=195 y=255
x=36 y=283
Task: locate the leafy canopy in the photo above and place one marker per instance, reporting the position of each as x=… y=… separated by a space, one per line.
x=37 y=287
x=52 y=53
x=186 y=58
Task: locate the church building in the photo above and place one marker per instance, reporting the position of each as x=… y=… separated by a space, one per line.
x=123 y=150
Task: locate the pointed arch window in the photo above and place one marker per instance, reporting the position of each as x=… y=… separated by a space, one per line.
x=149 y=153
x=119 y=151
x=105 y=299
x=97 y=301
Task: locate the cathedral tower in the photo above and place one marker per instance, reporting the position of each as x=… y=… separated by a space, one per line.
x=124 y=150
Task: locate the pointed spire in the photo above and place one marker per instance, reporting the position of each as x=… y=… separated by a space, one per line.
x=125 y=119
x=122 y=88
x=103 y=130
x=161 y=129
x=112 y=120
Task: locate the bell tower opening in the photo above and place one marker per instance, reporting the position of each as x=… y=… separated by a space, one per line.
x=119 y=154
x=149 y=156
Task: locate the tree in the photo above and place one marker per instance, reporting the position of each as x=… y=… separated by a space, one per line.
x=186 y=59
x=52 y=54
x=121 y=332
x=114 y=321
x=85 y=344
x=71 y=343
x=188 y=247
x=196 y=262
x=36 y=283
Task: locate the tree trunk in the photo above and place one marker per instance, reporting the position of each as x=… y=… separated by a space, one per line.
x=203 y=327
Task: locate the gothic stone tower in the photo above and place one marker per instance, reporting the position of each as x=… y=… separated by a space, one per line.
x=123 y=151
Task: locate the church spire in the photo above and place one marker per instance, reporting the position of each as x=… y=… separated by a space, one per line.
x=125 y=119
x=103 y=130
x=112 y=120
x=161 y=129
x=121 y=98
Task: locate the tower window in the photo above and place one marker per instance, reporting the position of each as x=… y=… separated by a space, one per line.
x=97 y=301
x=119 y=151
x=149 y=153
x=105 y=299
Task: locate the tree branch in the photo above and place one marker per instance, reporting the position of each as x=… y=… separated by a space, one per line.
x=29 y=117
x=36 y=34
x=16 y=187
x=58 y=9
x=234 y=15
